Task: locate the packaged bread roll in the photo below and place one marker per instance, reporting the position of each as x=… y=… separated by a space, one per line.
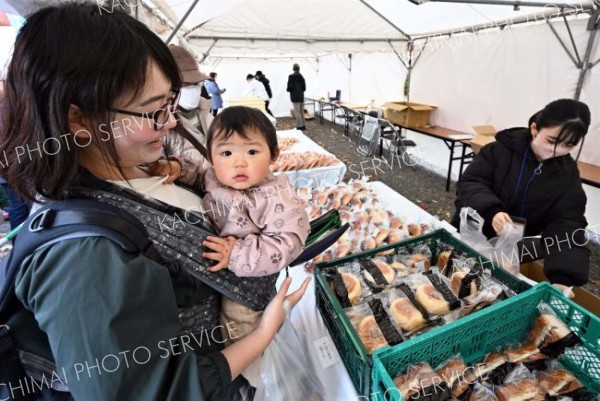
x=550 y=334
x=366 y=327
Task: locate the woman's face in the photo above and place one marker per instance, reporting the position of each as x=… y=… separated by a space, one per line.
x=241 y=163
x=135 y=138
x=544 y=144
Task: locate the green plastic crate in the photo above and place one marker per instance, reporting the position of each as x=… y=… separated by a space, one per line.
x=497 y=326
x=358 y=362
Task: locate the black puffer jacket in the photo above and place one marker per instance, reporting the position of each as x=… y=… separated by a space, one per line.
x=296 y=86
x=266 y=84
x=553 y=201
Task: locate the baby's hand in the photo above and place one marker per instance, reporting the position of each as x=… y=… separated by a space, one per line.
x=172 y=168
x=222 y=248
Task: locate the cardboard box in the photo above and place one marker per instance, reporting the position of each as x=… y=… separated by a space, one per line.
x=485 y=134
x=407 y=114
x=583 y=297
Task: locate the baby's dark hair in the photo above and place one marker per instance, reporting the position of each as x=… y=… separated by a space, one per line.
x=239 y=120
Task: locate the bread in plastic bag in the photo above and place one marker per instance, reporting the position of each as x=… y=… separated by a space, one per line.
x=420 y=383
x=501 y=250
x=550 y=334
x=365 y=324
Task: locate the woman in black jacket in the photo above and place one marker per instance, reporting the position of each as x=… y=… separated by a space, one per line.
x=529 y=173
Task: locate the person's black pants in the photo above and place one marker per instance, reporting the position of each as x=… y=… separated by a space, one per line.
x=267 y=108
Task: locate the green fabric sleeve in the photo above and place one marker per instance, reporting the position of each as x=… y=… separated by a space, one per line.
x=112 y=323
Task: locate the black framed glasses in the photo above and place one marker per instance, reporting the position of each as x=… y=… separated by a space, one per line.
x=161 y=116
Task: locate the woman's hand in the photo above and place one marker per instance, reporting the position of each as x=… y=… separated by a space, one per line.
x=274 y=314
x=163 y=167
x=499 y=220
x=241 y=353
x=222 y=248
x=567 y=291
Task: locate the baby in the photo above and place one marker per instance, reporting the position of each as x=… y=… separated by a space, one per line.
x=261 y=223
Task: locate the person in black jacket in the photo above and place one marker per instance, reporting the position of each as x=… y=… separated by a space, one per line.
x=296 y=86
x=529 y=173
x=259 y=76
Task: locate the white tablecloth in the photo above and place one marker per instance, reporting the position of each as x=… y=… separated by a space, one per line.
x=308 y=321
x=314 y=177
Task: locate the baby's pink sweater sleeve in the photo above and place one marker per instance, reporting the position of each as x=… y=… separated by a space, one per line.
x=283 y=225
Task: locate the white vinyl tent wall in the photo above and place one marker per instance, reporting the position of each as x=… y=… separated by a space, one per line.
x=378 y=76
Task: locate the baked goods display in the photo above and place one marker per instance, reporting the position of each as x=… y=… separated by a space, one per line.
x=371 y=225
x=514 y=372
x=406 y=295
x=302 y=161
x=286 y=143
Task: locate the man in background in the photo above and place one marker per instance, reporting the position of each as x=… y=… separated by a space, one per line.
x=266 y=83
x=296 y=86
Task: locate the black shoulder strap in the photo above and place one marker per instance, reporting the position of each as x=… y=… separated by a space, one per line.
x=61 y=220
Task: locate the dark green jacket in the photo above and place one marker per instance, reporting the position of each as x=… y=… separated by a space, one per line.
x=112 y=322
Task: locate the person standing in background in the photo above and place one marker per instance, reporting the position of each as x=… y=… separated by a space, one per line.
x=256 y=89
x=296 y=86
x=194 y=110
x=216 y=101
x=266 y=83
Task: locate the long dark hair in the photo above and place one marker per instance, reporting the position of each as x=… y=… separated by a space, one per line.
x=70 y=54
x=572 y=116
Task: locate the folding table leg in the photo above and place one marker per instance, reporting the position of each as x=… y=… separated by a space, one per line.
x=452 y=143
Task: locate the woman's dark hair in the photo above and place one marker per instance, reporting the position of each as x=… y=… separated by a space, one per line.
x=213 y=75
x=71 y=54
x=249 y=76
x=240 y=120
x=572 y=116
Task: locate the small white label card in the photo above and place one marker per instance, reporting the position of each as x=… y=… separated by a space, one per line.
x=326 y=351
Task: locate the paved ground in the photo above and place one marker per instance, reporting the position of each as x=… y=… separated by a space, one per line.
x=421 y=186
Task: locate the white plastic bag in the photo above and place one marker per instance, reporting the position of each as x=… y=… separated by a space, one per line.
x=286 y=372
x=501 y=250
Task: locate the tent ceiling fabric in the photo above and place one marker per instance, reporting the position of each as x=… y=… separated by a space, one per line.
x=266 y=25
x=299 y=19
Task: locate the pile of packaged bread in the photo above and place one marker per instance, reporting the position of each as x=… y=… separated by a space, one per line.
x=530 y=370
x=286 y=143
x=302 y=161
x=391 y=298
x=371 y=225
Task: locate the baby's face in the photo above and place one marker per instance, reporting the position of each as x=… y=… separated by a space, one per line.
x=241 y=163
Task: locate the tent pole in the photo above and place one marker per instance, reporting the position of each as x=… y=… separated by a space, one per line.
x=588 y=52
x=572 y=40
x=385 y=19
x=397 y=55
x=420 y=53
x=505 y=3
x=205 y=55
x=181 y=21
x=578 y=65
